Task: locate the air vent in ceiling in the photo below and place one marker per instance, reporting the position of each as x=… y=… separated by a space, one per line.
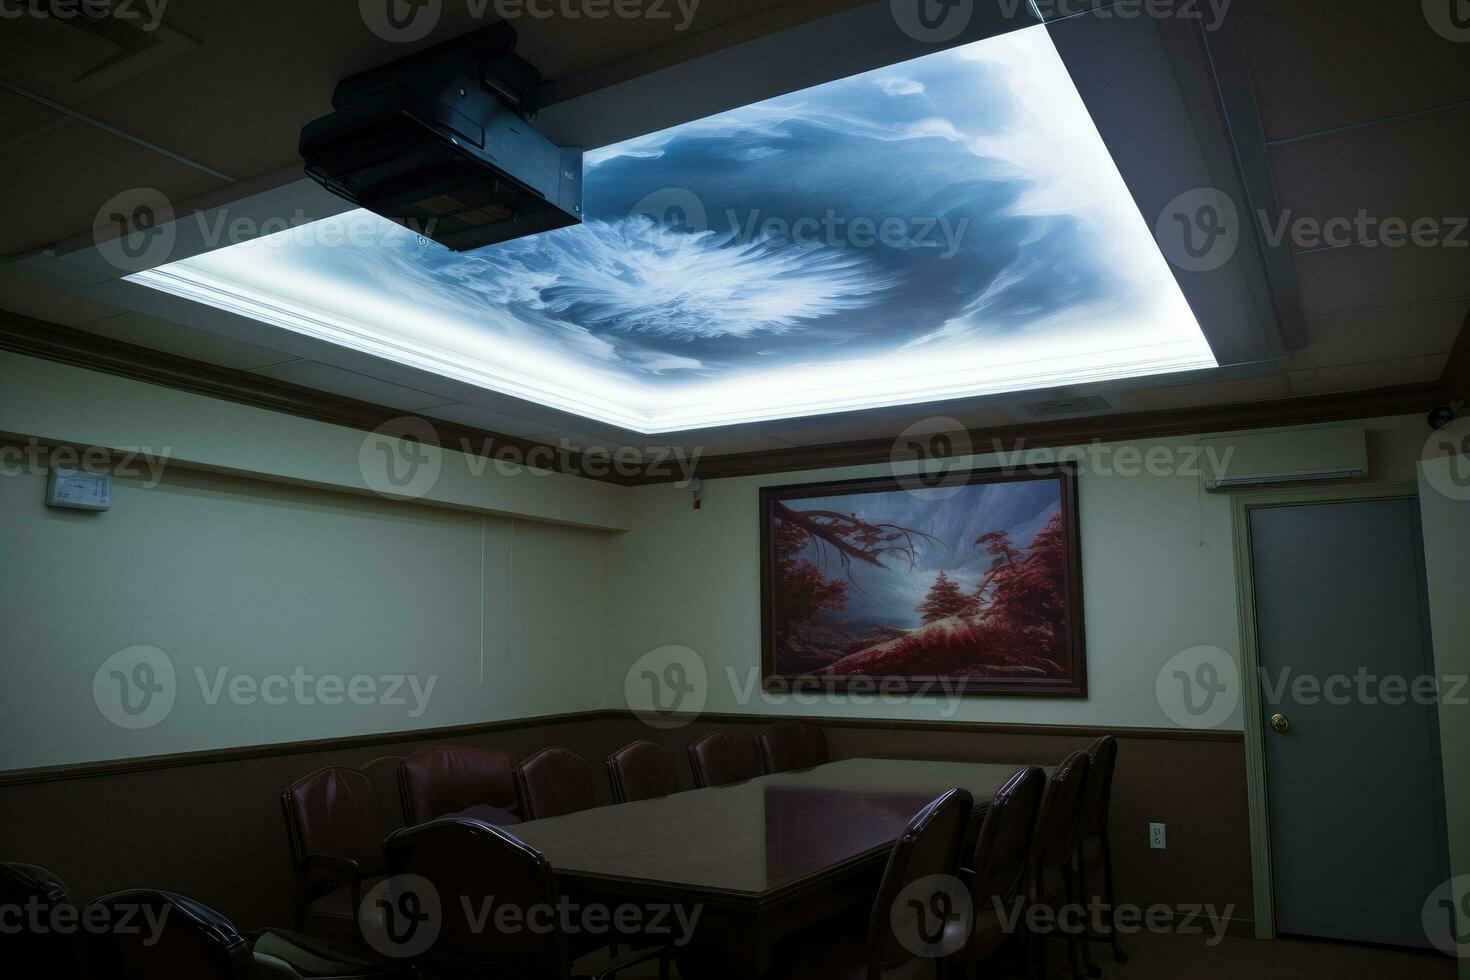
x=82 y=53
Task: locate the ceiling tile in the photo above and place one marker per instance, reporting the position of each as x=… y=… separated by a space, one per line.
x=1320 y=64
x=325 y=377
x=1369 y=374
x=1410 y=332
x=1407 y=170
x=185 y=341
x=1357 y=278
x=20 y=295
x=92 y=166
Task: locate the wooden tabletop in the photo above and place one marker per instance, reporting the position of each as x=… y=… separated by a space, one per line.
x=753 y=841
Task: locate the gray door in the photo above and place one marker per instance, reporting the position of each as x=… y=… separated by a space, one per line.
x=1357 y=838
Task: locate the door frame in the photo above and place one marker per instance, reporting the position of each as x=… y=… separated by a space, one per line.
x=1258 y=811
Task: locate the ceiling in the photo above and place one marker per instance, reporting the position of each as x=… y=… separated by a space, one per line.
x=1361 y=114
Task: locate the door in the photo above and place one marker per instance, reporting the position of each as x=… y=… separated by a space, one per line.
x=1353 y=783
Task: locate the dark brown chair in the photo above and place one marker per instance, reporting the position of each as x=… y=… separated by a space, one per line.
x=999 y=864
x=552 y=782
x=455 y=779
x=471 y=866
x=791 y=745
x=37 y=952
x=159 y=934
x=1094 y=850
x=640 y=771
x=335 y=829
x=917 y=918
x=720 y=758
x=384 y=773
x=1053 y=877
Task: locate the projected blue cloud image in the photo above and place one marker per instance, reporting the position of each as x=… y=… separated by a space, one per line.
x=953 y=224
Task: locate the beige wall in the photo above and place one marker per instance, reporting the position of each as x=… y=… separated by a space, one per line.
x=260 y=549
x=1157 y=570
x=259 y=580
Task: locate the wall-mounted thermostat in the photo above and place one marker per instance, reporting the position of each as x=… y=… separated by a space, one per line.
x=79 y=489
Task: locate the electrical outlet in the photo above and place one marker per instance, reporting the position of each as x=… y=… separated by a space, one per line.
x=1156 y=836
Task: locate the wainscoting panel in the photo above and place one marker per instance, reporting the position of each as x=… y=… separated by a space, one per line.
x=209 y=825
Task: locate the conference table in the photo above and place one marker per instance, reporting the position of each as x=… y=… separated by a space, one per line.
x=758 y=860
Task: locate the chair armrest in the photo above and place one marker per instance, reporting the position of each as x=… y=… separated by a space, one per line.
x=332 y=862
x=611 y=968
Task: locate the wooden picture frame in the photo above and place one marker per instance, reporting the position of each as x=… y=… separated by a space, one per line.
x=1017 y=629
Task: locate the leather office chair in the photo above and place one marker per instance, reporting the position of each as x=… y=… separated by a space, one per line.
x=1053 y=877
x=720 y=758
x=641 y=771
x=446 y=779
x=790 y=745
x=1093 y=836
x=29 y=947
x=470 y=863
x=999 y=865
x=335 y=828
x=383 y=773
x=912 y=921
x=552 y=782
x=157 y=934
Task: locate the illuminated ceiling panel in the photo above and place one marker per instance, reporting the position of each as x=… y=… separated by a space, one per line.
x=951 y=226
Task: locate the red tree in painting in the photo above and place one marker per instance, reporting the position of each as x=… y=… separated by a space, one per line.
x=802 y=589
x=946 y=599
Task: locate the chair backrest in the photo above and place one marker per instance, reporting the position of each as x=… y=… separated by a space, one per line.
x=154 y=934
x=720 y=758
x=385 y=773
x=641 y=771
x=477 y=869
x=914 y=905
x=1061 y=808
x=1003 y=849
x=552 y=782
x=1097 y=794
x=444 y=779
x=28 y=945
x=791 y=745
x=334 y=811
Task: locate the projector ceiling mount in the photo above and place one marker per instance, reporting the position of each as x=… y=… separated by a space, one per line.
x=441 y=142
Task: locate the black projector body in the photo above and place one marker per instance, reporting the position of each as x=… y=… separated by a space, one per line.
x=441 y=142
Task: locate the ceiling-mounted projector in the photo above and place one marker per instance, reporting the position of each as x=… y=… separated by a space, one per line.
x=441 y=142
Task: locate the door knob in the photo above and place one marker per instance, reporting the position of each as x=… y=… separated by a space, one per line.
x=1280 y=723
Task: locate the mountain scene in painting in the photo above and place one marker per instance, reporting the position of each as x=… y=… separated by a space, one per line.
x=965 y=581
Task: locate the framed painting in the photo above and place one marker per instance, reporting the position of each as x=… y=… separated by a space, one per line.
x=968 y=585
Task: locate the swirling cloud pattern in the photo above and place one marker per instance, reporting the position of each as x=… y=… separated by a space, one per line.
x=953 y=203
